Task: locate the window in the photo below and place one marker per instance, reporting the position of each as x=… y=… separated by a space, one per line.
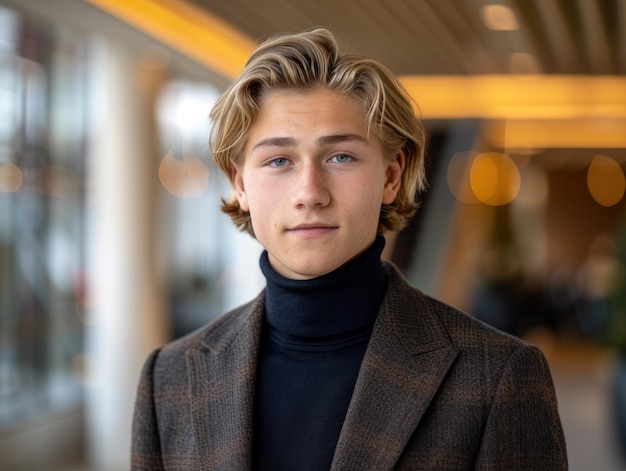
x=42 y=287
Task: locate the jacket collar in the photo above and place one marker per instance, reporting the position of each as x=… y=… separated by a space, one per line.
x=222 y=374
x=406 y=360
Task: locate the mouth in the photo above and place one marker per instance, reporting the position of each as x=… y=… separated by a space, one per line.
x=311 y=230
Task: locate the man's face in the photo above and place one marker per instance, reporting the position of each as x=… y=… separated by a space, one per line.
x=314 y=181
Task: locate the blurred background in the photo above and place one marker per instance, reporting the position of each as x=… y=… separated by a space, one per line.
x=112 y=242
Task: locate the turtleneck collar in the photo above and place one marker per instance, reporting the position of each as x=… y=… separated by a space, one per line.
x=345 y=300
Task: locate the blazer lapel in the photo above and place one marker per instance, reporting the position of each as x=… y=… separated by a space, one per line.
x=222 y=378
x=406 y=360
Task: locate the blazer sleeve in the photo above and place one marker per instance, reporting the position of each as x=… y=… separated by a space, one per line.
x=523 y=429
x=146 y=444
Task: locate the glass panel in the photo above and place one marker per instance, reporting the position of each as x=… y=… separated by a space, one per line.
x=42 y=286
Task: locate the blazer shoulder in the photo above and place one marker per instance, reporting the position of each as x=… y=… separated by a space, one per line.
x=211 y=338
x=466 y=329
x=463 y=329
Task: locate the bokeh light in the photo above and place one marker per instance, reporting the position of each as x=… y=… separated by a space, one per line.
x=499 y=18
x=494 y=178
x=605 y=180
x=11 y=178
x=459 y=176
x=186 y=177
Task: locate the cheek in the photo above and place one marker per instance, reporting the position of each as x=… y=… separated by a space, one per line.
x=262 y=204
x=259 y=223
x=366 y=204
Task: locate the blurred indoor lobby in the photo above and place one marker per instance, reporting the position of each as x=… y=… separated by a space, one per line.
x=112 y=242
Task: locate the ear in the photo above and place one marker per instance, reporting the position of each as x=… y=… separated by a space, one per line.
x=393 y=180
x=240 y=189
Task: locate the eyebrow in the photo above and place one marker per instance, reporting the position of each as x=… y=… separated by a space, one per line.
x=321 y=141
x=338 y=138
x=276 y=142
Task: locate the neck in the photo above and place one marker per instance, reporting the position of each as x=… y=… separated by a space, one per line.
x=339 y=302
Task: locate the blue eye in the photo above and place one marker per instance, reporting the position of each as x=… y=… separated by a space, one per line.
x=341 y=158
x=279 y=162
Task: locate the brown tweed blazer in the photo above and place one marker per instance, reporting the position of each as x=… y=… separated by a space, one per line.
x=437 y=390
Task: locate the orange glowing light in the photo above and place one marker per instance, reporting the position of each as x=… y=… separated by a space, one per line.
x=494 y=178
x=189 y=29
x=605 y=180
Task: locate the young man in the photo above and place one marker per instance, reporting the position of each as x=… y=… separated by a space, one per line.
x=338 y=363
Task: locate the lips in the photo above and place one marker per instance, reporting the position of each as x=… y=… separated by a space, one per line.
x=313 y=225
x=311 y=230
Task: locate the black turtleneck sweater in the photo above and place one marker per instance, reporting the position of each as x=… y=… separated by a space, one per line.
x=314 y=338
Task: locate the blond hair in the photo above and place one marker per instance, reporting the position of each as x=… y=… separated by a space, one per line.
x=309 y=60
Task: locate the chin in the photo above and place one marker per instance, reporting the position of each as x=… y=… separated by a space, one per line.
x=320 y=271
x=308 y=271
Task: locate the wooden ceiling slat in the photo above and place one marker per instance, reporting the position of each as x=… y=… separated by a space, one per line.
x=560 y=37
x=435 y=37
x=519 y=41
x=362 y=34
x=597 y=47
x=442 y=47
x=621 y=37
x=393 y=33
x=464 y=20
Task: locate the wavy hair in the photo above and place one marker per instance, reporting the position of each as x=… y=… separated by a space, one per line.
x=308 y=60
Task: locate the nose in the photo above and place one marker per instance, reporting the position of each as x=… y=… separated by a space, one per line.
x=310 y=187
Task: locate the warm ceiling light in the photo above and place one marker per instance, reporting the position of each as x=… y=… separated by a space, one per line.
x=519 y=97
x=192 y=31
x=499 y=18
x=541 y=111
x=556 y=133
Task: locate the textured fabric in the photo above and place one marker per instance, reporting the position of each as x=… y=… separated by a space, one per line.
x=303 y=392
x=309 y=308
x=315 y=335
x=437 y=390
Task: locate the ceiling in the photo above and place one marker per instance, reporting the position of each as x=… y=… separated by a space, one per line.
x=450 y=37
x=422 y=38
x=556 y=78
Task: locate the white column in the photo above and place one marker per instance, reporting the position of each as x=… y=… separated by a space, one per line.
x=128 y=317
